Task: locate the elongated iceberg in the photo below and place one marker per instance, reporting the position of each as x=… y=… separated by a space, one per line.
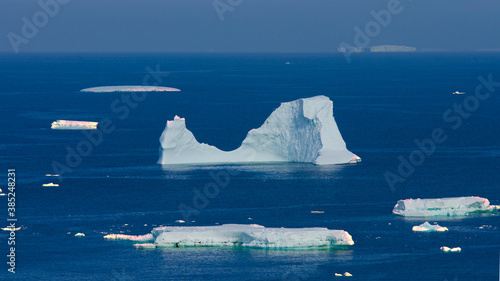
x=73 y=125
x=110 y=89
x=238 y=235
x=454 y=206
x=303 y=130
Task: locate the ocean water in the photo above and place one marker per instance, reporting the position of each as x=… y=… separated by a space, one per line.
x=383 y=103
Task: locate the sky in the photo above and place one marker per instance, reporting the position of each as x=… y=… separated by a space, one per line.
x=246 y=25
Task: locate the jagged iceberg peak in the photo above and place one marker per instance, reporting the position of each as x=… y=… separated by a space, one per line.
x=303 y=130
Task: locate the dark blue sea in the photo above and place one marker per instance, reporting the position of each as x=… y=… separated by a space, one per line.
x=384 y=104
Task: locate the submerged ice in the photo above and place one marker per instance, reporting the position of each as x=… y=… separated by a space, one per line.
x=238 y=235
x=454 y=206
x=303 y=130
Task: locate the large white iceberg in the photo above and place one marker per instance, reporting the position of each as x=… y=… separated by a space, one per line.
x=238 y=235
x=109 y=89
x=303 y=130
x=454 y=206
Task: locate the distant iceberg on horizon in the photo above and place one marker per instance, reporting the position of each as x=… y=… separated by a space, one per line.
x=447 y=207
x=240 y=235
x=110 y=89
x=303 y=131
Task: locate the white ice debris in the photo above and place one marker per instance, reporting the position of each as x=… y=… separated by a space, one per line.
x=455 y=206
x=109 y=89
x=180 y=221
x=240 y=235
x=446 y=249
x=427 y=227
x=10 y=228
x=303 y=130
x=73 y=125
x=80 y=235
x=50 y=184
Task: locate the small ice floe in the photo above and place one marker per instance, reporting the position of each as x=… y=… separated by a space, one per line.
x=147 y=237
x=2 y=194
x=458 y=93
x=180 y=221
x=145 y=246
x=338 y=275
x=11 y=229
x=317 y=212
x=287 y=62
x=110 y=89
x=427 y=227
x=347 y=274
x=73 y=125
x=447 y=249
x=50 y=184
x=52 y=175
x=80 y=234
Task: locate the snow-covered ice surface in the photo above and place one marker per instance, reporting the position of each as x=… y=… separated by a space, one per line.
x=454 y=206
x=303 y=130
x=427 y=227
x=239 y=235
x=109 y=89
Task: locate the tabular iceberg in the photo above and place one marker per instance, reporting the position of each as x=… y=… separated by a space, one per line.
x=73 y=125
x=110 y=89
x=454 y=206
x=303 y=130
x=238 y=235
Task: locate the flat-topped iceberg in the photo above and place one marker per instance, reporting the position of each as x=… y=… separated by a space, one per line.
x=238 y=235
x=73 y=125
x=454 y=206
x=427 y=227
x=303 y=130
x=110 y=89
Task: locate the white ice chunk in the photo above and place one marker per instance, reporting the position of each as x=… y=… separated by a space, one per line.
x=143 y=238
x=109 y=89
x=80 y=235
x=447 y=249
x=303 y=130
x=73 y=125
x=455 y=206
x=427 y=227
x=250 y=236
x=50 y=184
